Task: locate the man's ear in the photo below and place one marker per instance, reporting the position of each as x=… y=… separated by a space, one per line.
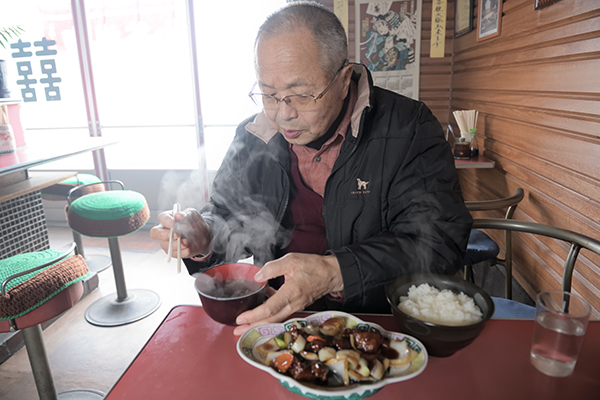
x=346 y=76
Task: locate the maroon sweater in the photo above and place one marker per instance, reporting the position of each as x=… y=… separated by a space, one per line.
x=305 y=217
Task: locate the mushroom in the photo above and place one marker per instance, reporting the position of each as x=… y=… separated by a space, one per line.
x=333 y=326
x=311 y=329
x=267 y=347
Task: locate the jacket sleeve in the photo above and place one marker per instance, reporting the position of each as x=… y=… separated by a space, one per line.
x=427 y=223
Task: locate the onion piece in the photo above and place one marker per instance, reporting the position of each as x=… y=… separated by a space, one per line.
x=309 y=355
x=355 y=376
x=326 y=354
x=377 y=371
x=299 y=344
x=339 y=366
x=386 y=364
x=351 y=355
x=405 y=354
x=363 y=367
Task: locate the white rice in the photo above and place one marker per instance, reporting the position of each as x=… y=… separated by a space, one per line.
x=440 y=307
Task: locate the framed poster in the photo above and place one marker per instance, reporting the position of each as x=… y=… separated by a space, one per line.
x=463 y=17
x=388 y=43
x=489 y=19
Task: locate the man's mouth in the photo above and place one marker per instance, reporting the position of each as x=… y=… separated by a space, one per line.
x=290 y=134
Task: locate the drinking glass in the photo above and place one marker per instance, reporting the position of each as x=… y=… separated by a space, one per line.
x=561 y=320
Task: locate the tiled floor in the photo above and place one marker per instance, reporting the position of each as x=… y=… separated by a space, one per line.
x=86 y=356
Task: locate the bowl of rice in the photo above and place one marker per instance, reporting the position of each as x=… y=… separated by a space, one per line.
x=444 y=312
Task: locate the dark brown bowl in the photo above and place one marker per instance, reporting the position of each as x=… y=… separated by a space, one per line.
x=225 y=305
x=440 y=340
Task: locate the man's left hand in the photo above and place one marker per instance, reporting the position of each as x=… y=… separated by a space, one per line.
x=308 y=277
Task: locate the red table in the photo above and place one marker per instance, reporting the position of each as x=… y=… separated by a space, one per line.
x=192 y=357
x=33 y=155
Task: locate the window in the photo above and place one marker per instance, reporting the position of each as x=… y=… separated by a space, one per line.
x=53 y=21
x=140 y=54
x=226 y=65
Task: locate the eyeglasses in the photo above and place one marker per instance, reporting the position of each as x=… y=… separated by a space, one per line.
x=300 y=102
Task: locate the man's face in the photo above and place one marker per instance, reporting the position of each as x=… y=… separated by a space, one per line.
x=289 y=64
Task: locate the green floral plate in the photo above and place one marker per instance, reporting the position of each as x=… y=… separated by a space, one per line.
x=254 y=337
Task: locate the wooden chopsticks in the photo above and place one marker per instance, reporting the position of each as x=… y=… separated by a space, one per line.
x=176 y=209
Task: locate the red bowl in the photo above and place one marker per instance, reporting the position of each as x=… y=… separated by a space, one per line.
x=227 y=290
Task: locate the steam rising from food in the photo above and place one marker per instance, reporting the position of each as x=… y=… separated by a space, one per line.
x=219 y=287
x=250 y=228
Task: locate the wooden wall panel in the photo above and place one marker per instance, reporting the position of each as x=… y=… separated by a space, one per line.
x=537 y=89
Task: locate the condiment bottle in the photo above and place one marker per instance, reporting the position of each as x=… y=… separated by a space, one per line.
x=474 y=147
x=462 y=149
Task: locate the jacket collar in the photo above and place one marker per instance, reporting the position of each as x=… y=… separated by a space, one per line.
x=262 y=128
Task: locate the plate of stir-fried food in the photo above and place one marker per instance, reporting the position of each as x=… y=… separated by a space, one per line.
x=332 y=354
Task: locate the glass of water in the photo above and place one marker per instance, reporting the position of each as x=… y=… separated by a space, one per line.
x=561 y=320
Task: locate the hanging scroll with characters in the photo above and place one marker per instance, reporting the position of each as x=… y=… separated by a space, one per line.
x=388 y=43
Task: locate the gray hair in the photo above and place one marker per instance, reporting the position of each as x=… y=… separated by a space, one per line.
x=326 y=28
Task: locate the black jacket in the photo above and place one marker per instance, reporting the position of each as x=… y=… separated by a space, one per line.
x=409 y=217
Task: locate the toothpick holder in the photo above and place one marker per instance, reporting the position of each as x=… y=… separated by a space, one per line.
x=7 y=140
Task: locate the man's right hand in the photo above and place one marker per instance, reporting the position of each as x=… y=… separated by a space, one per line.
x=189 y=225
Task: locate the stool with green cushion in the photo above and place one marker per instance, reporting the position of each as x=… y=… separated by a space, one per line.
x=36 y=287
x=59 y=192
x=112 y=214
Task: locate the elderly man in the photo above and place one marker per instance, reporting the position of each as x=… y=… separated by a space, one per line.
x=336 y=188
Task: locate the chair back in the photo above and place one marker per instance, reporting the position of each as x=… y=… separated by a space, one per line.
x=510 y=203
x=81 y=188
x=576 y=240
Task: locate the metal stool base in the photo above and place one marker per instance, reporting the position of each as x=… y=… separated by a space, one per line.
x=108 y=311
x=97 y=262
x=81 y=394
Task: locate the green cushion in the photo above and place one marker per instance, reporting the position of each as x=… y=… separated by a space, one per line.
x=23 y=262
x=106 y=206
x=81 y=179
x=108 y=214
x=60 y=190
x=30 y=291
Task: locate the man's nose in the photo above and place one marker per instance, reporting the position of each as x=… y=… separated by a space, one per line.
x=285 y=111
